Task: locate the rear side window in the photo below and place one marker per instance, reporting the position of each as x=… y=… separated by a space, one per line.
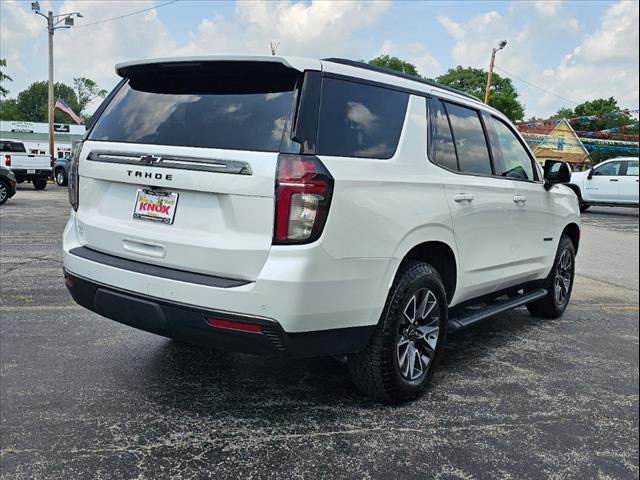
x=359 y=120
x=442 y=150
x=632 y=169
x=511 y=158
x=12 y=147
x=471 y=144
x=199 y=109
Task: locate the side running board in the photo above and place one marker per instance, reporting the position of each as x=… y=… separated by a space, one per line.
x=471 y=316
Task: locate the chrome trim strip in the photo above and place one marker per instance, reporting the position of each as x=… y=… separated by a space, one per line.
x=171 y=161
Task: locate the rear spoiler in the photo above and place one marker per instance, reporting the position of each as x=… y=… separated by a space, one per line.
x=129 y=69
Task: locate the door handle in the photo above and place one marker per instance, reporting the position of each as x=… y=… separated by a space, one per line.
x=613 y=179
x=463 y=197
x=519 y=198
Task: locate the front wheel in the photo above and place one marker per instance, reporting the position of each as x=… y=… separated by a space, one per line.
x=39 y=183
x=559 y=283
x=408 y=341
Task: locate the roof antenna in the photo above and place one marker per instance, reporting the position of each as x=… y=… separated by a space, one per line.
x=274 y=46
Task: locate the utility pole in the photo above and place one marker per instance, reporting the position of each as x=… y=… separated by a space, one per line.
x=52 y=25
x=50 y=111
x=500 y=46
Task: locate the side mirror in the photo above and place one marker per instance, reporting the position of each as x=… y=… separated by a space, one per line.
x=555 y=172
x=590 y=174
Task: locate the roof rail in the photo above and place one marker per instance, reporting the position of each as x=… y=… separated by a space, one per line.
x=395 y=73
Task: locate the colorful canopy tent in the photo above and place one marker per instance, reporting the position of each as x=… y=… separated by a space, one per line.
x=562 y=143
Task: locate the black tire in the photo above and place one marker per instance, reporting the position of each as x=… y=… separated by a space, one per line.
x=61 y=177
x=554 y=304
x=39 y=183
x=378 y=369
x=4 y=192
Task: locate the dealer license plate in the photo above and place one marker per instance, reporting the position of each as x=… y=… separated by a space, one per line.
x=155 y=205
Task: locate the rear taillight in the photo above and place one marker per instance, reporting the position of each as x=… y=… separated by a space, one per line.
x=7 y=160
x=73 y=176
x=303 y=196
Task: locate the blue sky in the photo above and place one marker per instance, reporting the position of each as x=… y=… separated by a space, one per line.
x=576 y=50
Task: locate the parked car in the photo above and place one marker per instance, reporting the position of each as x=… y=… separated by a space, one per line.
x=26 y=167
x=312 y=207
x=613 y=183
x=7 y=184
x=61 y=171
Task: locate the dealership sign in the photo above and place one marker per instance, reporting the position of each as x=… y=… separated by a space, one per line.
x=24 y=127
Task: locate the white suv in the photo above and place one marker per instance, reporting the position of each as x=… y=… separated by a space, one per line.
x=613 y=183
x=305 y=207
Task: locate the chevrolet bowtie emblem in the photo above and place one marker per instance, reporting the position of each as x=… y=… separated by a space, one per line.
x=149 y=159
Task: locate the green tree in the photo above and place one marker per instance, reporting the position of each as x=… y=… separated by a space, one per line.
x=32 y=102
x=9 y=109
x=86 y=90
x=563 y=113
x=395 y=63
x=504 y=95
x=3 y=78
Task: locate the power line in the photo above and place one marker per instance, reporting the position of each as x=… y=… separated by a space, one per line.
x=125 y=15
x=537 y=86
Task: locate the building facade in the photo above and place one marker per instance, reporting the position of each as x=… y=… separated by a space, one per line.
x=35 y=136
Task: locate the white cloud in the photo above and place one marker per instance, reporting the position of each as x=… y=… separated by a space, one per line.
x=604 y=64
x=315 y=29
x=547 y=8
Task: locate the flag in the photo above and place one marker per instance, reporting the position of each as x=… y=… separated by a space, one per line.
x=67 y=109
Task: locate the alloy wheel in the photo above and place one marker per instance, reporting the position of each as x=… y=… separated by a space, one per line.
x=60 y=177
x=418 y=335
x=3 y=192
x=564 y=277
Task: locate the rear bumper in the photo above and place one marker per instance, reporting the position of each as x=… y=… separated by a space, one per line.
x=189 y=324
x=302 y=288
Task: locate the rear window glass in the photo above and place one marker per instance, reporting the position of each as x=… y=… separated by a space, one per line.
x=359 y=120
x=197 y=109
x=442 y=150
x=12 y=147
x=471 y=144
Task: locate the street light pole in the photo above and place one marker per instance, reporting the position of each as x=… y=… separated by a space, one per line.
x=500 y=46
x=52 y=25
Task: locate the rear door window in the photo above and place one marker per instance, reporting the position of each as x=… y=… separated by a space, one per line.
x=358 y=120
x=471 y=144
x=199 y=109
x=442 y=151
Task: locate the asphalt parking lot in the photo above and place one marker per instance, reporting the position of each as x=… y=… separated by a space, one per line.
x=516 y=397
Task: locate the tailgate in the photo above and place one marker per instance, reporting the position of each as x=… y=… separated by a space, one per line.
x=179 y=169
x=23 y=161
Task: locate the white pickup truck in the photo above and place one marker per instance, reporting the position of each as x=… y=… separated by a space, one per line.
x=613 y=183
x=26 y=167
